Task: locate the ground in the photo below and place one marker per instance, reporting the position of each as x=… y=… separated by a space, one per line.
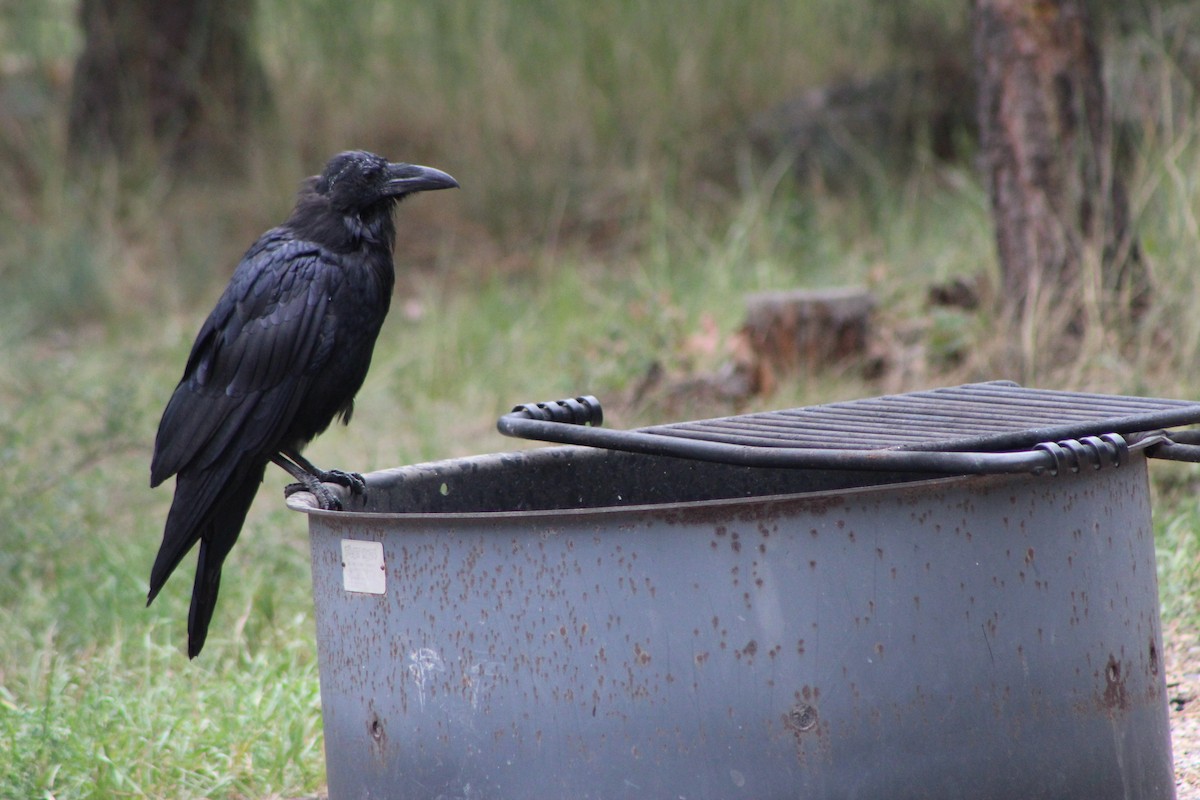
x=1183 y=693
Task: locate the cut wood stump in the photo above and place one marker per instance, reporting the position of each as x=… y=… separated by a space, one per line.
x=808 y=329
x=784 y=333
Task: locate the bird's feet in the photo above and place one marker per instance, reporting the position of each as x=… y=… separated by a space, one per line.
x=326 y=499
x=312 y=479
x=351 y=480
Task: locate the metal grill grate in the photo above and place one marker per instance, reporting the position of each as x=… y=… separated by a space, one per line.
x=981 y=416
x=975 y=428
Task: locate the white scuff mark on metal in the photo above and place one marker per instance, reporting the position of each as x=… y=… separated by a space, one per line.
x=423 y=663
x=479 y=677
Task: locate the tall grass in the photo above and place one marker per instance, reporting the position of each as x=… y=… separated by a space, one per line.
x=563 y=113
x=610 y=221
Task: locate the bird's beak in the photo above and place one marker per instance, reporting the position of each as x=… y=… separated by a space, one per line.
x=409 y=178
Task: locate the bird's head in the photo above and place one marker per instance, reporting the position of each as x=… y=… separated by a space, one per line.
x=360 y=189
x=357 y=180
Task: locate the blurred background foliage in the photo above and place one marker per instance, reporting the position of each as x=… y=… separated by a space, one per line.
x=570 y=122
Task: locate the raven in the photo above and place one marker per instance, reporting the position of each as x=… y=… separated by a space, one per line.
x=281 y=355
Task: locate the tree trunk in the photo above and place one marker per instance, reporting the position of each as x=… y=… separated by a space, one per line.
x=1061 y=215
x=179 y=77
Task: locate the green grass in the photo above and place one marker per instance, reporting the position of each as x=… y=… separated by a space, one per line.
x=96 y=699
x=605 y=225
x=72 y=728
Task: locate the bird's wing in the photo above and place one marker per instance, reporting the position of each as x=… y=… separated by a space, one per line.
x=269 y=334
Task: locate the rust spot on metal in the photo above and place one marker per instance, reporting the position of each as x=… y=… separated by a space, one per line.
x=751 y=648
x=801 y=718
x=377 y=733
x=1116 y=698
x=1153 y=657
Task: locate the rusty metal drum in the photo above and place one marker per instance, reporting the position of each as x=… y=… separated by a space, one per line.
x=577 y=623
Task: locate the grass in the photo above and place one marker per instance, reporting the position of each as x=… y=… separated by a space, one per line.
x=605 y=224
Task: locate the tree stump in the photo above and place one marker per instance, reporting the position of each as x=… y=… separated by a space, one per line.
x=808 y=329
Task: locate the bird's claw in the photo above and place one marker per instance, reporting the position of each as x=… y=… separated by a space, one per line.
x=351 y=480
x=326 y=500
x=313 y=481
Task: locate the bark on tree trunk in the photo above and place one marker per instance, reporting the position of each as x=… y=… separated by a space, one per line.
x=1060 y=212
x=181 y=77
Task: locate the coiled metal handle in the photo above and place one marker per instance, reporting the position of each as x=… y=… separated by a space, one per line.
x=1072 y=455
x=571 y=411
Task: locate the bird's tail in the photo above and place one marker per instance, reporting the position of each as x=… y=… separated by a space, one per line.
x=213 y=515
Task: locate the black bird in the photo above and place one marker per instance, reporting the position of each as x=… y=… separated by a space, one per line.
x=282 y=354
